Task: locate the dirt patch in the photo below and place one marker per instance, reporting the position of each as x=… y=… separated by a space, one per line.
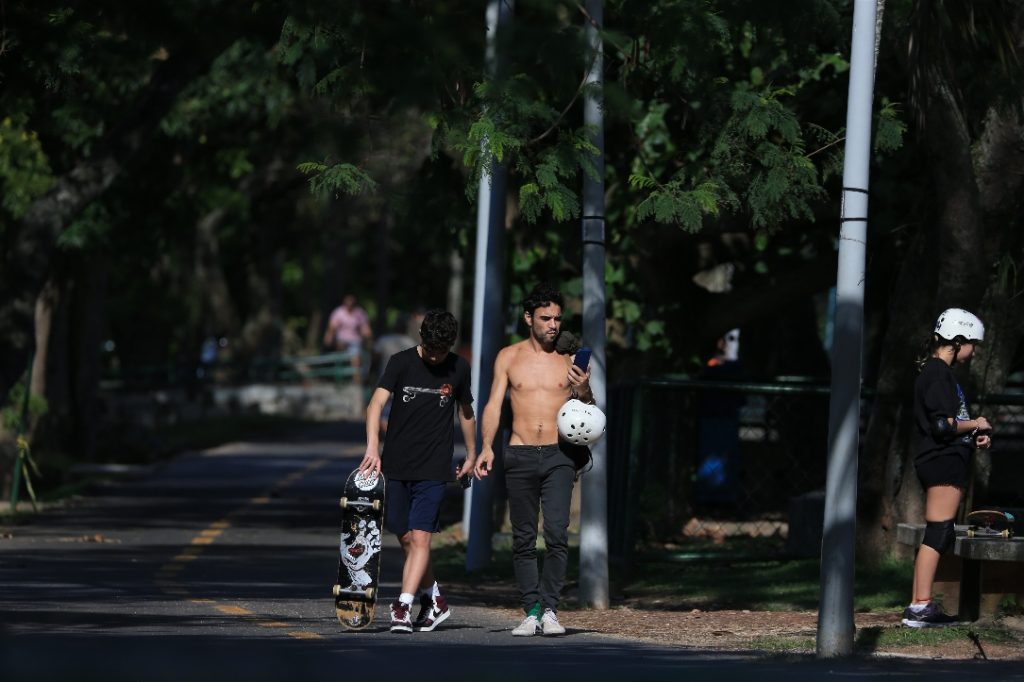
x=771 y=630
x=735 y=630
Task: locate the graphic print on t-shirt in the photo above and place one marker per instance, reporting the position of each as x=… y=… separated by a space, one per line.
x=410 y=392
x=963 y=415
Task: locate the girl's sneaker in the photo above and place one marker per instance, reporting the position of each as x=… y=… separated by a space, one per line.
x=931 y=616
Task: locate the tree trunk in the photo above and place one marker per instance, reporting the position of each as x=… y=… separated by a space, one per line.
x=219 y=316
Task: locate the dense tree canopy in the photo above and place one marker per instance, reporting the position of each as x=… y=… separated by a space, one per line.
x=203 y=167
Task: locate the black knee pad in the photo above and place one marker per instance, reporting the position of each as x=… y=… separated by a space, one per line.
x=939 y=535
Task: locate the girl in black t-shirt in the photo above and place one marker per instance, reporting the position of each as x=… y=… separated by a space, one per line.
x=946 y=438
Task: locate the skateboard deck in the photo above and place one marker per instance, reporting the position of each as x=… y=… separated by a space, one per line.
x=990 y=523
x=362 y=522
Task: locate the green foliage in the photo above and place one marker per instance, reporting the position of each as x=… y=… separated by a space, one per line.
x=90 y=229
x=672 y=203
x=341 y=178
x=25 y=172
x=13 y=412
x=889 y=128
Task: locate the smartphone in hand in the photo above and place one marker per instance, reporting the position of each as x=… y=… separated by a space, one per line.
x=582 y=359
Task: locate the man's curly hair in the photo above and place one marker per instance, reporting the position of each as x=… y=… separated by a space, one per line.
x=542 y=295
x=439 y=330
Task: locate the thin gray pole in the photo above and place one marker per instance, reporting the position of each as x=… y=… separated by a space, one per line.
x=487 y=310
x=594 y=512
x=835 y=617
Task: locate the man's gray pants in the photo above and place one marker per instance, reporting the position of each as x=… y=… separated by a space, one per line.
x=539 y=477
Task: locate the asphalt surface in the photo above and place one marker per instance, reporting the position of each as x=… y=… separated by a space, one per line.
x=220 y=564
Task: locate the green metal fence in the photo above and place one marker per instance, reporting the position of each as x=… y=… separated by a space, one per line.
x=722 y=463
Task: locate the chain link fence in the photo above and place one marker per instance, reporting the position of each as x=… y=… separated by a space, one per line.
x=706 y=464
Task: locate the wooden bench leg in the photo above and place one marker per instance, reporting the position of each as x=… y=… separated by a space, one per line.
x=970 y=591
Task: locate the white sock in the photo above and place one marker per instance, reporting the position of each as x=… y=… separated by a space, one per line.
x=435 y=591
x=918 y=608
x=406 y=598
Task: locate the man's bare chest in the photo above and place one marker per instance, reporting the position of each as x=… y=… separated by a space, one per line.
x=543 y=375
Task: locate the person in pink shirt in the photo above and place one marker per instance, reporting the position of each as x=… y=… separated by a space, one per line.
x=347 y=327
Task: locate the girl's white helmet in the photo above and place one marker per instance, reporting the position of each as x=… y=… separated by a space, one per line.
x=956 y=322
x=579 y=423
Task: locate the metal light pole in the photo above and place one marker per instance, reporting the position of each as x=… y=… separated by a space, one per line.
x=835 y=616
x=594 y=512
x=487 y=310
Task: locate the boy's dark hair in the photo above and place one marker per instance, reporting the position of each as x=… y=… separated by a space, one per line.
x=542 y=295
x=439 y=330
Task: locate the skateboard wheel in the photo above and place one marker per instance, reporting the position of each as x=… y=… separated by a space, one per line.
x=1005 y=533
x=970 y=532
x=370 y=592
x=376 y=505
x=337 y=590
x=343 y=502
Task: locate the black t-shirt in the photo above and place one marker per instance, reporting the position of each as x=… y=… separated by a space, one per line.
x=420 y=439
x=938 y=395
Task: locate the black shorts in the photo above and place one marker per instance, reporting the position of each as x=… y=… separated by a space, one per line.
x=945 y=469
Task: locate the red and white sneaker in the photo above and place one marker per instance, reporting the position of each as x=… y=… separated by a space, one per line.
x=400 y=621
x=432 y=613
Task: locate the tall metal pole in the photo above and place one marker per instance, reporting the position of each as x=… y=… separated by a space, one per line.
x=594 y=512
x=835 y=616
x=487 y=309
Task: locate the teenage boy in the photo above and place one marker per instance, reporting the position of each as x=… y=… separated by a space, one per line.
x=427 y=381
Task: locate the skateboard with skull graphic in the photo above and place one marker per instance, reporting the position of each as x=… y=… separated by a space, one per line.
x=362 y=522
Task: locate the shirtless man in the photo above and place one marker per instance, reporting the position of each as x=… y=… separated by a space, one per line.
x=539 y=469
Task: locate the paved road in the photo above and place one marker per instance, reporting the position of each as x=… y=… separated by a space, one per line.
x=220 y=564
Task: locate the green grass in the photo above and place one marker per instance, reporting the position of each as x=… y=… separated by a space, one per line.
x=783 y=644
x=872 y=638
x=772 y=585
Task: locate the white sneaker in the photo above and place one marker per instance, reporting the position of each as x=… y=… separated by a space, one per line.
x=549 y=624
x=528 y=628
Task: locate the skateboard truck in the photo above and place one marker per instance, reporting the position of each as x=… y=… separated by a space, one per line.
x=352 y=591
x=345 y=503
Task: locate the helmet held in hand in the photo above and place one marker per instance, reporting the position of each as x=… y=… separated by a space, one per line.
x=579 y=423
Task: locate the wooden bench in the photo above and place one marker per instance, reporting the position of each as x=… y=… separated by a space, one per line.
x=977 y=575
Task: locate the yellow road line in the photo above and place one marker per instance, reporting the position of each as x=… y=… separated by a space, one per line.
x=272 y=624
x=304 y=634
x=167 y=577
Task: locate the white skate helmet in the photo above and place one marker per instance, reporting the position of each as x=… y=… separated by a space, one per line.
x=579 y=423
x=956 y=322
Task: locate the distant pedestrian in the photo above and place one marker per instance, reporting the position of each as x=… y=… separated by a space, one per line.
x=347 y=328
x=946 y=438
x=428 y=382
